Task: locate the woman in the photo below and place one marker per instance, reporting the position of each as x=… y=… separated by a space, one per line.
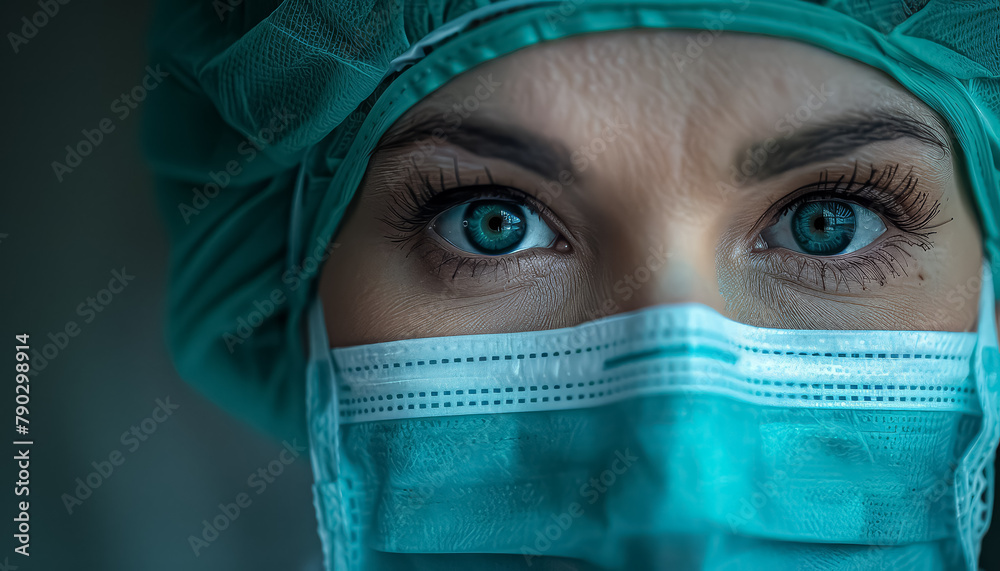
x=667 y=285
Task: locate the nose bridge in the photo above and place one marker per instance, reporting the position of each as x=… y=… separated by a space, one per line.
x=678 y=267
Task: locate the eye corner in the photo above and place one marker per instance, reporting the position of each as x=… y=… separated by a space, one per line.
x=760 y=244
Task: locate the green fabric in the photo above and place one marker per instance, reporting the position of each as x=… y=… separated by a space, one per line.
x=310 y=73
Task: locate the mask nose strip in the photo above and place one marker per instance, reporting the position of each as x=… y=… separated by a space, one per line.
x=674 y=351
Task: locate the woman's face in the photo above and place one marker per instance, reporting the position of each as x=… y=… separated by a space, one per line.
x=778 y=183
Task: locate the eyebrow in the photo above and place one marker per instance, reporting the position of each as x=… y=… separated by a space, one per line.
x=485 y=138
x=837 y=138
x=548 y=158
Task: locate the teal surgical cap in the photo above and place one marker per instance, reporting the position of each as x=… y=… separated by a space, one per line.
x=264 y=127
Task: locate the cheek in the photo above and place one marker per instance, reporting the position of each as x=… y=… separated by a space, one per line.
x=366 y=299
x=350 y=282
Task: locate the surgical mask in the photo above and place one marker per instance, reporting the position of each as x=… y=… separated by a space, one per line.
x=666 y=438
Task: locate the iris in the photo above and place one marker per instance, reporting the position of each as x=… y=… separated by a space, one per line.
x=824 y=228
x=494 y=227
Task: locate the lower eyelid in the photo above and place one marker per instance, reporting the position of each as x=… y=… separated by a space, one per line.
x=875 y=264
x=446 y=262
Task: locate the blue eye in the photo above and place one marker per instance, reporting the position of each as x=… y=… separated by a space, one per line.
x=493 y=227
x=825 y=228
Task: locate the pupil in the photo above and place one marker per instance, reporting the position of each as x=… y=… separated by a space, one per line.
x=820 y=224
x=496 y=223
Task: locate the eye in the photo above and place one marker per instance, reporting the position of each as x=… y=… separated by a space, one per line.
x=493 y=227
x=824 y=228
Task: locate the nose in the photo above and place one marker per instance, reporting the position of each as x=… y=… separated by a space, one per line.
x=679 y=270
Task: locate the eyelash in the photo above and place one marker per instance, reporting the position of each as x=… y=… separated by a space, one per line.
x=411 y=212
x=901 y=203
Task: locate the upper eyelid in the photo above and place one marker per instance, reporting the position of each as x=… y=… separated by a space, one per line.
x=862 y=189
x=415 y=202
x=440 y=186
x=457 y=196
x=803 y=195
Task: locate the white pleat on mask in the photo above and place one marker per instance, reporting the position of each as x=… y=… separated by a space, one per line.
x=661 y=349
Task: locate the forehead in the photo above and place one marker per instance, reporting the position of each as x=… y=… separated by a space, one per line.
x=734 y=86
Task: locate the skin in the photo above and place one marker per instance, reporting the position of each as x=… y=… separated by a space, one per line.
x=658 y=208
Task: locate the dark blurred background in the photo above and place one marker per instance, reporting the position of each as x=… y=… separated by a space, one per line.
x=59 y=243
